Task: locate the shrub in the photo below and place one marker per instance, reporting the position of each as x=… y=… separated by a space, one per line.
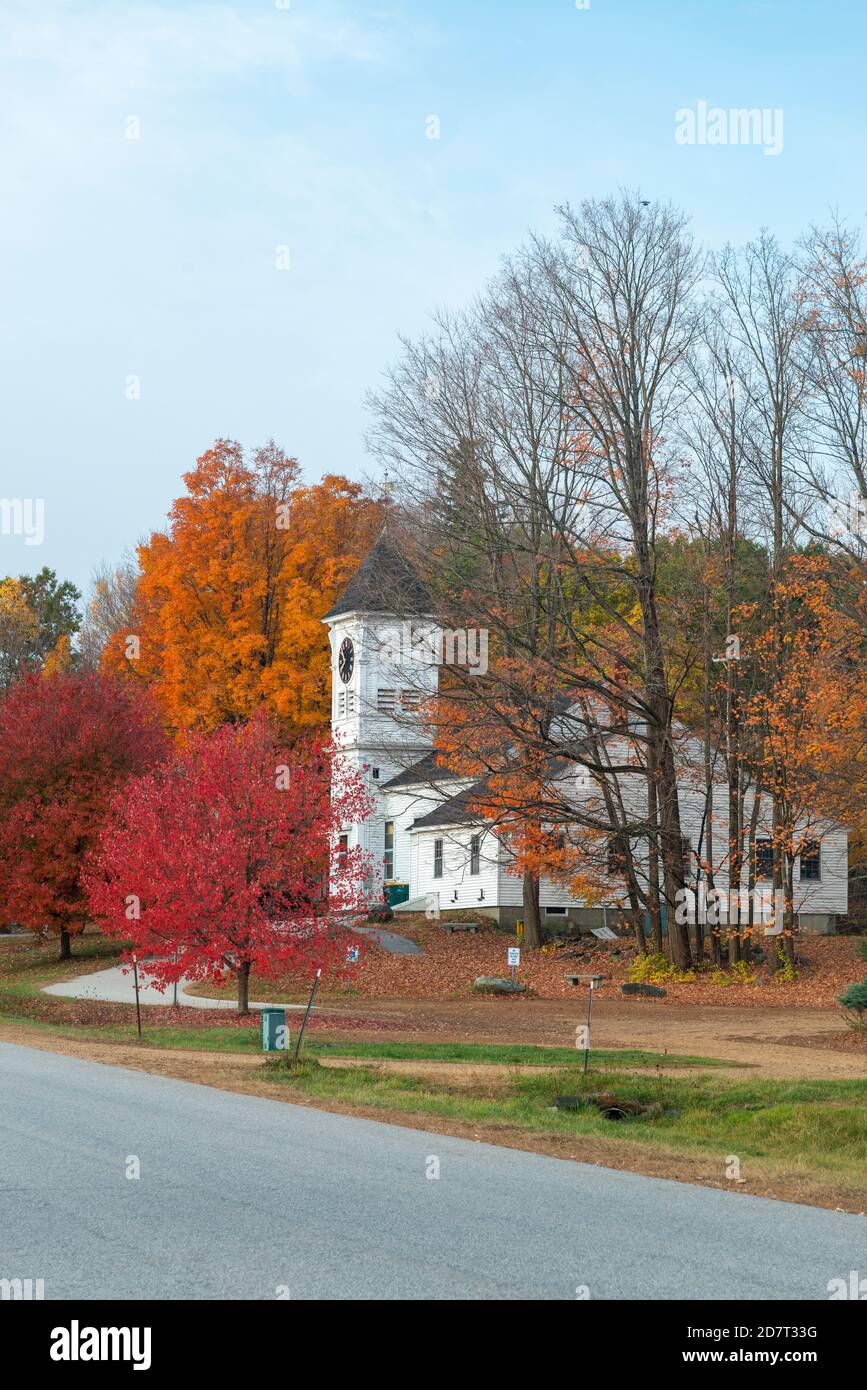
x=380 y=914
x=786 y=969
x=655 y=968
x=854 y=1001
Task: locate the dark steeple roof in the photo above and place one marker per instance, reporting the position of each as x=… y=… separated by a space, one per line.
x=385 y=583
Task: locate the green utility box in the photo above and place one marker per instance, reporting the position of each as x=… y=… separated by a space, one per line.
x=275 y=1037
x=396 y=893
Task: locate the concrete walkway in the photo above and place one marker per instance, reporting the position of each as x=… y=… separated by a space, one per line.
x=390 y=941
x=115 y=986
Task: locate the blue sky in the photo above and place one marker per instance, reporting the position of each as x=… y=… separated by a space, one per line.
x=306 y=127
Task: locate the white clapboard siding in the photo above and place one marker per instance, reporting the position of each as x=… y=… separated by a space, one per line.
x=458 y=887
x=403 y=808
x=504 y=889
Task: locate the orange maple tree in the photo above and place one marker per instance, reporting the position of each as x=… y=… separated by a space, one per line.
x=809 y=716
x=230 y=596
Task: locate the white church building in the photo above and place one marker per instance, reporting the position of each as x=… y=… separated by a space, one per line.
x=429 y=848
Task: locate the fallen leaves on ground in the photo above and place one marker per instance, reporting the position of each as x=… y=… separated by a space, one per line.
x=450 y=964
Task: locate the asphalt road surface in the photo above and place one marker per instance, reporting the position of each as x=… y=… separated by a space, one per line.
x=240 y=1197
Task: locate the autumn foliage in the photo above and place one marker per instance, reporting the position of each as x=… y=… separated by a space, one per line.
x=808 y=714
x=217 y=861
x=230 y=597
x=67 y=740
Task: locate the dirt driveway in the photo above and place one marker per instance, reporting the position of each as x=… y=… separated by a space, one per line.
x=776 y=1041
x=779 y=1042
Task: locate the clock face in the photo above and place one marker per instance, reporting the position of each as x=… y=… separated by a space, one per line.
x=346 y=660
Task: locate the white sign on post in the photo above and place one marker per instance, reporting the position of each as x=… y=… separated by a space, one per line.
x=514 y=955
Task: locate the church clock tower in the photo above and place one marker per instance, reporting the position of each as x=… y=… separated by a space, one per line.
x=385 y=646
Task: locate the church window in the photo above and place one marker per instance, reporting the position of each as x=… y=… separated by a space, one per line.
x=811 y=861
x=688 y=860
x=386 y=700
x=438 y=859
x=475 y=853
x=764 y=858
x=388 y=857
x=410 y=699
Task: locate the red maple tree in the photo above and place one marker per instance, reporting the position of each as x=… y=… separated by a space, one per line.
x=218 y=861
x=67 y=739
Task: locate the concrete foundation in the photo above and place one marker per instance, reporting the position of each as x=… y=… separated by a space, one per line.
x=586 y=918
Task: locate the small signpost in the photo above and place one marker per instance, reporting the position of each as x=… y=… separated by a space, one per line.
x=514 y=960
x=582 y=1032
x=137 y=1004
x=307 y=1014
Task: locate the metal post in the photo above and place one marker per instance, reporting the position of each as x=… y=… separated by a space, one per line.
x=137 y=1004
x=306 y=1015
x=589 y=1018
x=175 y=991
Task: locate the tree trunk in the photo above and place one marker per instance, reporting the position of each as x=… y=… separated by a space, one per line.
x=637 y=917
x=653 y=859
x=65 y=945
x=661 y=756
x=706 y=845
x=244 y=987
x=733 y=936
x=789 y=891
x=751 y=865
x=532 y=918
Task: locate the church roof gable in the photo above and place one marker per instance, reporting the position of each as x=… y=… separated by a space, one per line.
x=457 y=810
x=422 y=773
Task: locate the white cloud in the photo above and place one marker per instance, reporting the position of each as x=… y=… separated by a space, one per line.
x=72 y=73
x=110 y=49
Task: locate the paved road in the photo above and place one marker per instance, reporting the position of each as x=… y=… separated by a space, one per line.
x=240 y=1197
